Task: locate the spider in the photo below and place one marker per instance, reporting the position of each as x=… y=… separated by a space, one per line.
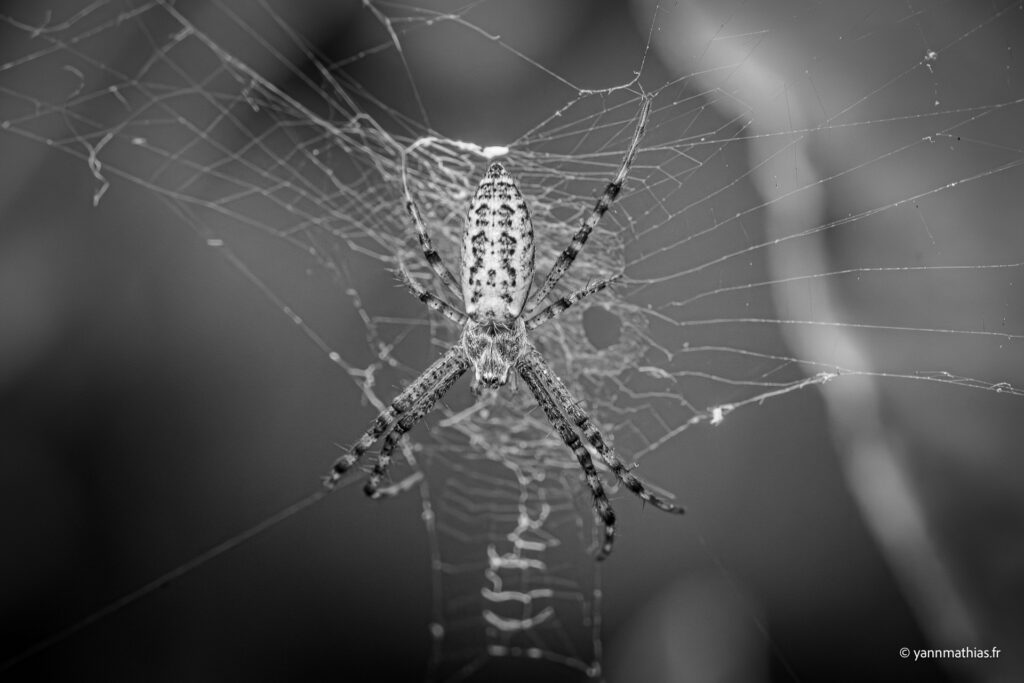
x=497 y=275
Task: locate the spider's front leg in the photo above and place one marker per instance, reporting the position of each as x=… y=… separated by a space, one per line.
x=583 y=422
x=452 y=362
x=404 y=424
x=572 y=440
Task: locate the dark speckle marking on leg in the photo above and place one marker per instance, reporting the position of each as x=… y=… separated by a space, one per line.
x=399 y=405
x=531 y=373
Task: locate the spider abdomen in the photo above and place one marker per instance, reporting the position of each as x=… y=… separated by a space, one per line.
x=497 y=249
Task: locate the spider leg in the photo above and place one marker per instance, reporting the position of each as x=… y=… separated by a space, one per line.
x=401 y=404
x=572 y=440
x=611 y=191
x=433 y=258
x=556 y=309
x=407 y=422
x=433 y=302
x=580 y=418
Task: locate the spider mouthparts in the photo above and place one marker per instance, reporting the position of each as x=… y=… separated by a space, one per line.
x=484 y=389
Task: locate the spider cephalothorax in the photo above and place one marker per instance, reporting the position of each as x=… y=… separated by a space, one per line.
x=496 y=279
x=493 y=348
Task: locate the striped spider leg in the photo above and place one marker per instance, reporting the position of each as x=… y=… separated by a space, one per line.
x=604 y=202
x=496 y=276
x=407 y=422
x=582 y=421
x=433 y=258
x=528 y=371
x=442 y=372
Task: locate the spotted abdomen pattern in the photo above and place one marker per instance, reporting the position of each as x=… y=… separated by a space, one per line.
x=497 y=249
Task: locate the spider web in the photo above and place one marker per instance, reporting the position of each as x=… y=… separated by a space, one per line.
x=785 y=226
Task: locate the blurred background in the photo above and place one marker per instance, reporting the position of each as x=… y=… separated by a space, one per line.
x=156 y=401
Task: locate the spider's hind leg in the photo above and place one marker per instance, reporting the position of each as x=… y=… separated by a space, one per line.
x=433 y=258
x=604 y=202
x=433 y=302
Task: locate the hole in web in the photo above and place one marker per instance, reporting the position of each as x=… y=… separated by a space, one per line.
x=602 y=327
x=765 y=248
